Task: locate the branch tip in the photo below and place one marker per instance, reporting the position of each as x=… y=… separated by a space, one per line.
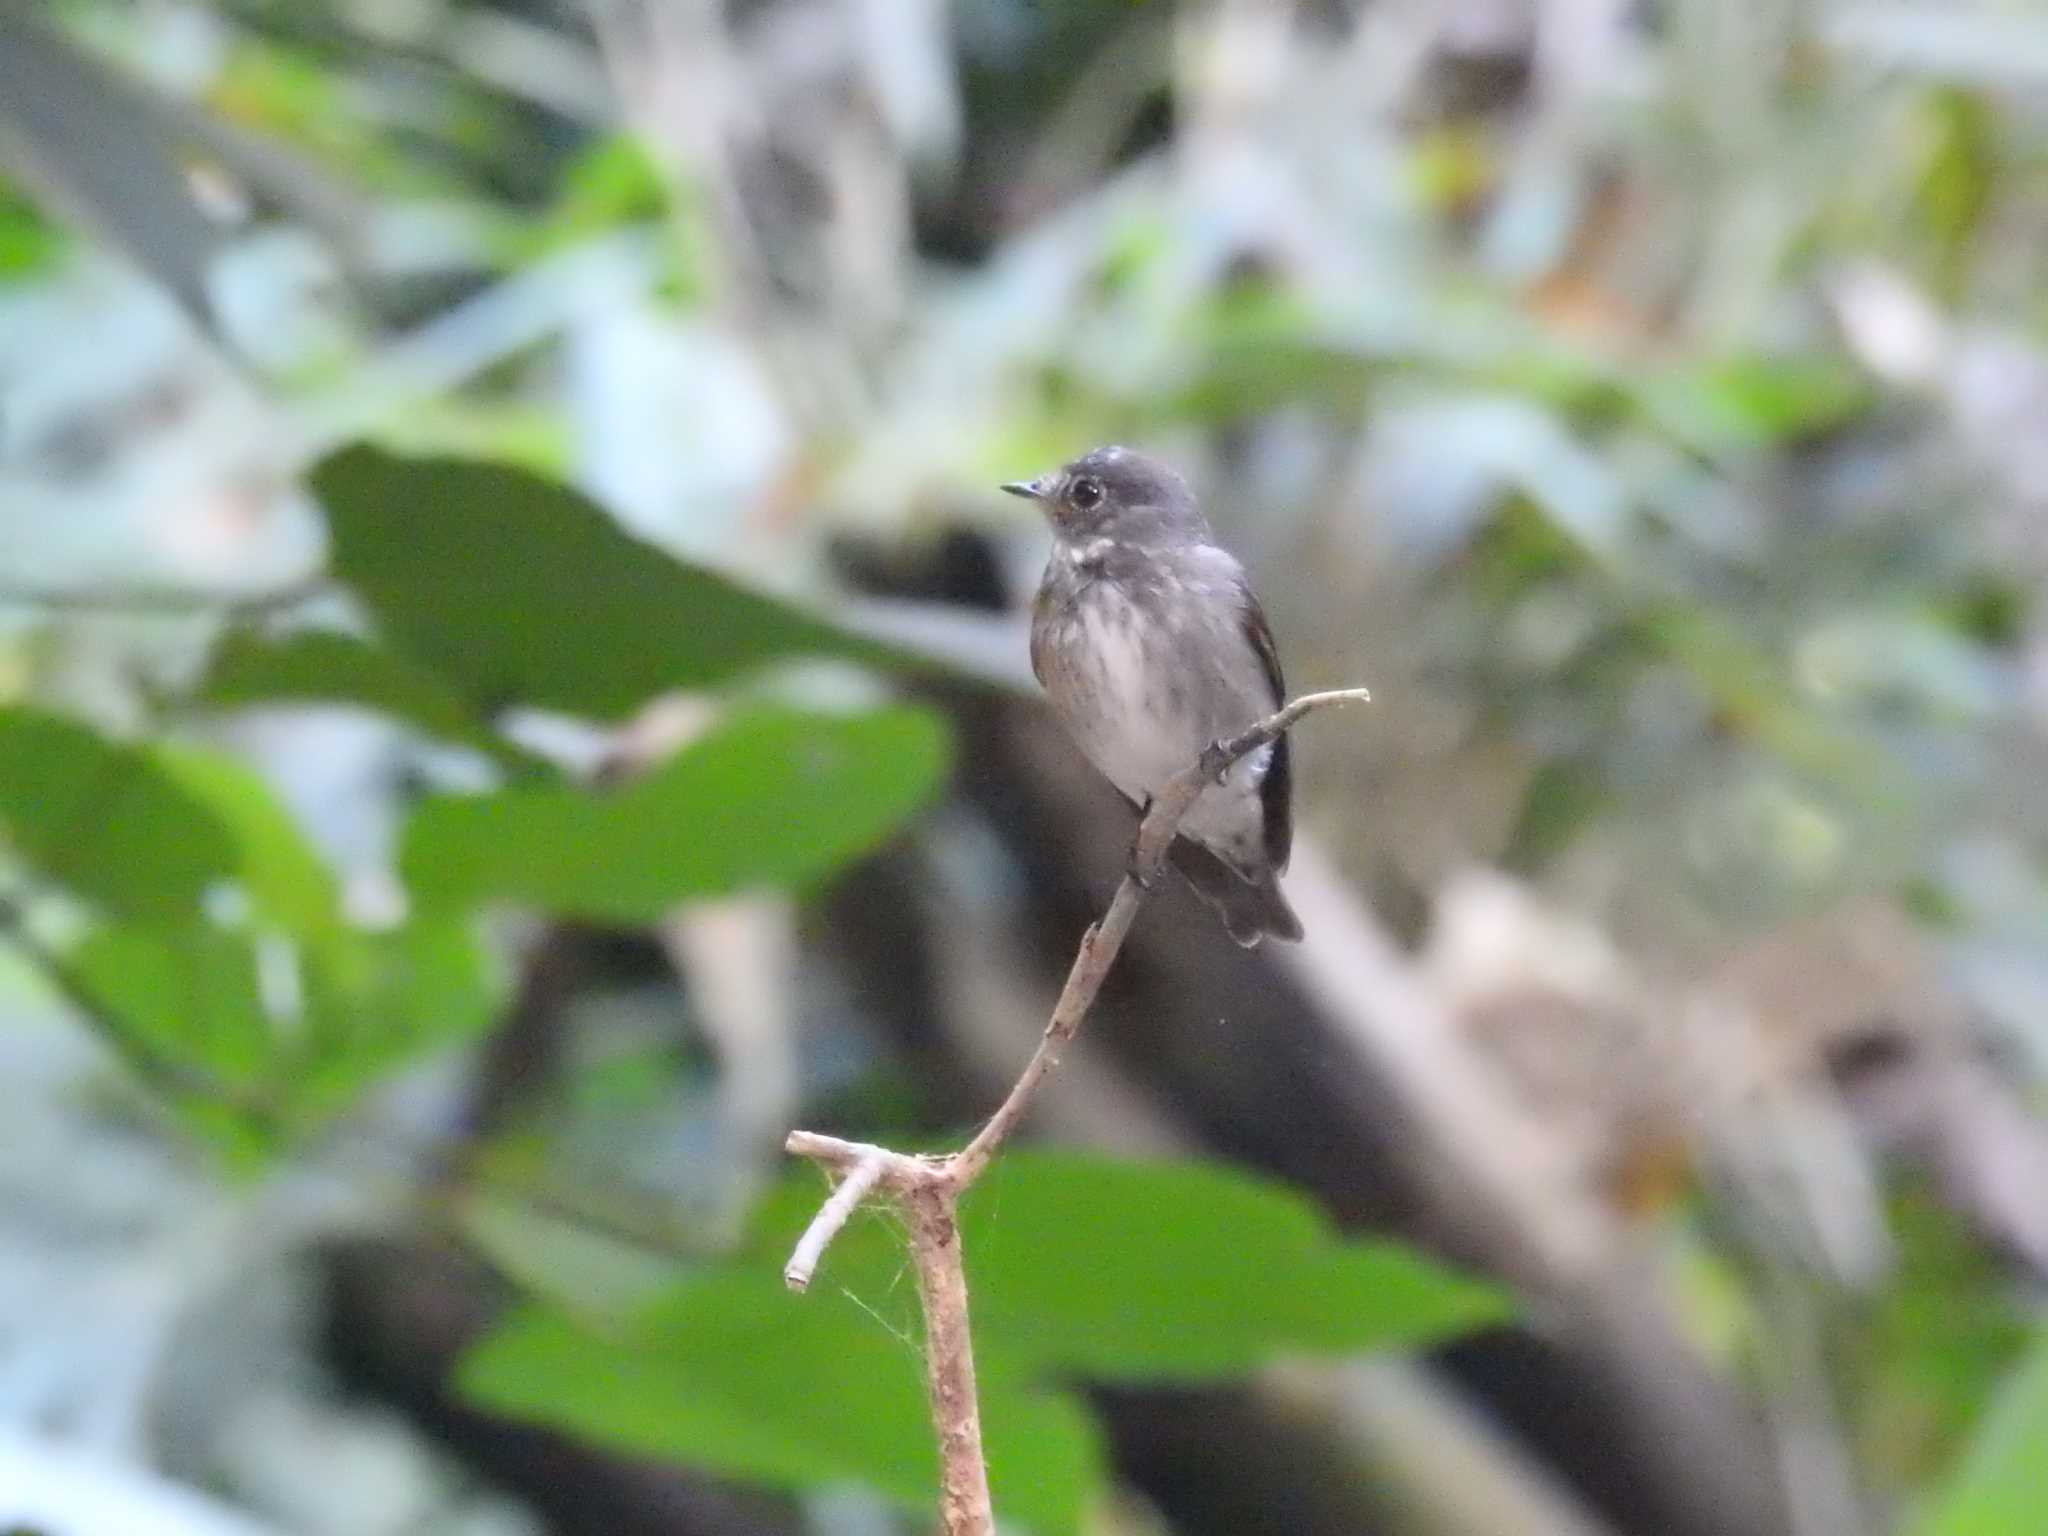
x=832 y=1215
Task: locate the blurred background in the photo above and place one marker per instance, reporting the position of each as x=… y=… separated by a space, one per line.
x=515 y=697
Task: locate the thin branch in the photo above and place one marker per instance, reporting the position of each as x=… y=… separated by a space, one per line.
x=832 y=1215
x=965 y=1508
x=831 y=1152
x=1102 y=943
x=929 y=1189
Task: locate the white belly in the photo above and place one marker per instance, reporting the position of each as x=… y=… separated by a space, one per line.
x=1145 y=714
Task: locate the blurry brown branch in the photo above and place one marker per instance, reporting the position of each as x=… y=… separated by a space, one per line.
x=929 y=1188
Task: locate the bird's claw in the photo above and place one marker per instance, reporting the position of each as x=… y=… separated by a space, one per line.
x=1134 y=861
x=1134 y=867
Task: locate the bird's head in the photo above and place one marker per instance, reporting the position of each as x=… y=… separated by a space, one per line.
x=1111 y=493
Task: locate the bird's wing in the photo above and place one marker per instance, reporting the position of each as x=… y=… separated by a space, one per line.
x=1276 y=790
x=1041 y=637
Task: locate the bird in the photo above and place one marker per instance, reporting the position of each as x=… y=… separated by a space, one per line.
x=1151 y=647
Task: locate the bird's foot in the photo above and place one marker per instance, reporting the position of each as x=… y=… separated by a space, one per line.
x=1135 y=862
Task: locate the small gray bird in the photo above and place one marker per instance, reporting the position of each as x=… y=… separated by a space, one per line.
x=1150 y=646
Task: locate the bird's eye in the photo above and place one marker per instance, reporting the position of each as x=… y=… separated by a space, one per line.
x=1085 y=493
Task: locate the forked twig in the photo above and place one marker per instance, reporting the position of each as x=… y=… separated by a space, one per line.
x=929 y=1188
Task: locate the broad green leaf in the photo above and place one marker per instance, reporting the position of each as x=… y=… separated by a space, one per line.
x=1121 y=1271
x=245 y=1143
x=372 y=1002
x=1188 y=1271
x=182 y=1004
x=519 y=590
x=288 y=882
x=386 y=1000
x=2001 y=1488
x=1079 y=1265
x=106 y=820
x=188 y=993
x=319 y=666
x=731 y=1373
x=773 y=798
x=355 y=1009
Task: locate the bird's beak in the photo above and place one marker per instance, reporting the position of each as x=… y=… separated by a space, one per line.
x=1030 y=490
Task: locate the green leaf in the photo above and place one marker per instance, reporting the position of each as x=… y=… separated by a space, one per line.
x=1121 y=1271
x=185 y=992
x=288 y=883
x=321 y=666
x=1999 y=1488
x=386 y=1001
x=1934 y=1346
x=362 y=1006
x=29 y=245
x=517 y=589
x=773 y=798
x=1187 y=1272
x=106 y=820
x=188 y=992
x=1078 y=1265
x=731 y=1373
x=1562 y=797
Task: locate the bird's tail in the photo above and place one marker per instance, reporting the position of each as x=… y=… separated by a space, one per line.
x=1250 y=909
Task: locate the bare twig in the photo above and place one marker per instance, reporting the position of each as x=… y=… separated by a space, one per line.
x=964 y=1505
x=1101 y=943
x=929 y=1188
x=832 y=1215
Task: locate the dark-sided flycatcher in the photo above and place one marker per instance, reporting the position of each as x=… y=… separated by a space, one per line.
x=1151 y=646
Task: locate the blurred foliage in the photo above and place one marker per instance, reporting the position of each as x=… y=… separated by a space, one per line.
x=771 y=799
x=1651 y=416
x=1080 y=1269
x=1997 y=1489
x=103 y=820
x=319 y=666
x=258 y=1016
x=1929 y=1362
x=29 y=244
x=261 y=1017
x=161 y=836
x=520 y=591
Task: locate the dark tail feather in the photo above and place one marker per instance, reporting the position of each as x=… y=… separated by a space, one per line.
x=1250 y=911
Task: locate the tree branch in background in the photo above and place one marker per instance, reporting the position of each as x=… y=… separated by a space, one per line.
x=929 y=1188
